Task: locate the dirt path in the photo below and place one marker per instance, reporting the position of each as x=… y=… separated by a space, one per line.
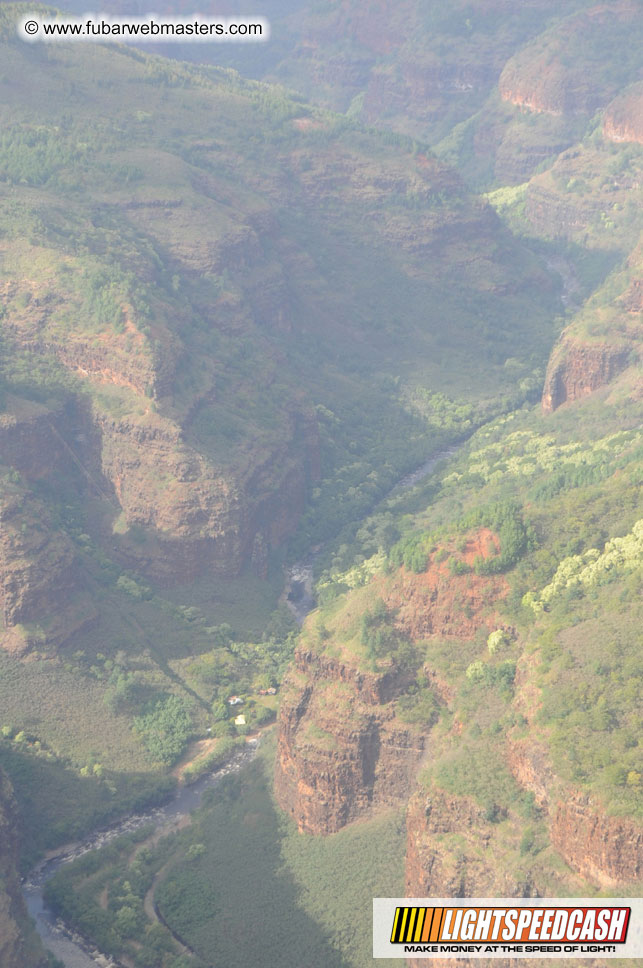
x=195 y=751
x=151 y=913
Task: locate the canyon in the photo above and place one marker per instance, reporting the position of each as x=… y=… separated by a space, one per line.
x=217 y=300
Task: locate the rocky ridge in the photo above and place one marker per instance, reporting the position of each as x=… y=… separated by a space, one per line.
x=546 y=77
x=344 y=748
x=576 y=369
x=601 y=343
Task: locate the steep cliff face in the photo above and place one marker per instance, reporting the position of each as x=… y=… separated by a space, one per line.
x=19 y=945
x=551 y=74
x=342 y=751
x=489 y=813
x=416 y=67
x=343 y=746
x=42 y=595
x=451 y=850
x=454 y=849
x=215 y=295
x=623 y=119
x=37 y=568
x=544 y=98
x=606 y=850
x=27 y=439
x=203 y=517
x=576 y=370
x=602 y=341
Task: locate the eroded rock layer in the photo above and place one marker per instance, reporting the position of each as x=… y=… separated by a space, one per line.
x=342 y=750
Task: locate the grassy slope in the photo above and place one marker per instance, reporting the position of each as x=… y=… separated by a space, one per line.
x=240 y=883
x=601 y=756
x=124 y=182
x=575 y=476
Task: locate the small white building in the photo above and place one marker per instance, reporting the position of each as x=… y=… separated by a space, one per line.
x=240 y=720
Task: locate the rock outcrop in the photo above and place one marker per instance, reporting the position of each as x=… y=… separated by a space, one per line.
x=452 y=850
x=552 y=75
x=42 y=595
x=438 y=602
x=623 y=119
x=39 y=577
x=606 y=850
x=601 y=342
x=577 y=369
x=342 y=751
x=182 y=330
x=203 y=518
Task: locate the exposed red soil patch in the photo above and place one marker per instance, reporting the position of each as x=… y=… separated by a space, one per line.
x=307 y=124
x=436 y=602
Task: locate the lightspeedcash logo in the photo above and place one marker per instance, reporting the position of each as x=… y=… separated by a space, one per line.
x=501 y=927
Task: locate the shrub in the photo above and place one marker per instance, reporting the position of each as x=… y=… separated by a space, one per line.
x=497 y=640
x=165 y=728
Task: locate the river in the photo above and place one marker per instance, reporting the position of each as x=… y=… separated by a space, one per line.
x=70 y=947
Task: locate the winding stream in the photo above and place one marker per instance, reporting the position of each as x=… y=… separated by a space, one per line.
x=65 y=944
x=73 y=950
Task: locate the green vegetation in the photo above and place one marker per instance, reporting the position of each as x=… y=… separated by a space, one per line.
x=505 y=518
x=224 y=750
x=378 y=635
x=382 y=640
x=412 y=552
x=312 y=897
x=122 y=872
x=548 y=489
x=165 y=726
x=241 y=319
x=74 y=804
x=620 y=555
x=590 y=678
x=524 y=454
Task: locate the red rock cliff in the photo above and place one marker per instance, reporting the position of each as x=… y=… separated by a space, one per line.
x=577 y=369
x=558 y=74
x=623 y=119
x=341 y=749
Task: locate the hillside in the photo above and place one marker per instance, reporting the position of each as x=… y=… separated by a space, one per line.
x=230 y=322
x=170 y=274
x=233 y=317
x=495 y=648
x=500 y=89
x=465 y=698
